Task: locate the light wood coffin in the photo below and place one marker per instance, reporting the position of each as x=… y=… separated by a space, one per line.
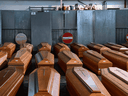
x=98 y=47
x=95 y=61
x=3 y=59
x=78 y=49
x=116 y=47
x=115 y=80
x=28 y=46
x=44 y=58
x=81 y=82
x=60 y=47
x=9 y=48
x=117 y=58
x=21 y=59
x=10 y=81
x=44 y=81
x=44 y=46
x=67 y=59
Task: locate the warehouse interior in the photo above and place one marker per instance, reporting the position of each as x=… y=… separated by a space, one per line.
x=38 y=23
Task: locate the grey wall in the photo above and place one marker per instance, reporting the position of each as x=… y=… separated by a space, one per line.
x=104 y=26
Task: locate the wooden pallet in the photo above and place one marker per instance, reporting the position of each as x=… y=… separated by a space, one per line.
x=78 y=49
x=117 y=58
x=81 y=82
x=21 y=59
x=44 y=81
x=28 y=46
x=10 y=81
x=116 y=47
x=44 y=46
x=67 y=59
x=60 y=47
x=95 y=61
x=98 y=47
x=115 y=80
x=9 y=48
x=44 y=58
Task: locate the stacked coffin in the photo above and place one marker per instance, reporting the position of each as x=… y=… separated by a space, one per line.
x=115 y=80
x=10 y=81
x=44 y=81
x=67 y=59
x=3 y=59
x=60 y=47
x=28 y=46
x=116 y=47
x=125 y=44
x=44 y=58
x=21 y=59
x=44 y=47
x=98 y=47
x=117 y=58
x=9 y=48
x=95 y=61
x=78 y=49
x=81 y=82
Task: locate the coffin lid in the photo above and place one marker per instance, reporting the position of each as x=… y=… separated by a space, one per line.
x=69 y=54
x=117 y=45
x=8 y=44
x=96 y=54
x=121 y=74
x=20 y=52
x=85 y=77
x=2 y=53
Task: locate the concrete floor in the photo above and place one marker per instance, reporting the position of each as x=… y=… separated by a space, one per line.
x=23 y=90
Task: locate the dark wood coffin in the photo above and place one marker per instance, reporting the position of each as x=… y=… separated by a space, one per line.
x=60 y=47
x=44 y=58
x=78 y=49
x=3 y=59
x=115 y=80
x=116 y=47
x=95 y=61
x=10 y=81
x=28 y=46
x=125 y=44
x=9 y=48
x=81 y=82
x=44 y=46
x=98 y=47
x=21 y=59
x=67 y=59
x=117 y=58
x=44 y=81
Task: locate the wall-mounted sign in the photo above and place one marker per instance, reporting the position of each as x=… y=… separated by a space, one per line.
x=127 y=37
x=67 y=38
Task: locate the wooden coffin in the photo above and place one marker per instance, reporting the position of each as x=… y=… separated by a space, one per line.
x=21 y=59
x=81 y=82
x=95 y=61
x=116 y=47
x=3 y=59
x=44 y=46
x=67 y=59
x=10 y=81
x=98 y=47
x=78 y=49
x=44 y=81
x=125 y=44
x=9 y=48
x=44 y=58
x=117 y=58
x=115 y=80
x=60 y=47
x=28 y=46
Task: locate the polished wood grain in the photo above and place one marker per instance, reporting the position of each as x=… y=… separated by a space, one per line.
x=67 y=59
x=9 y=48
x=28 y=46
x=98 y=47
x=95 y=61
x=44 y=58
x=81 y=82
x=78 y=49
x=3 y=59
x=115 y=80
x=44 y=46
x=44 y=81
